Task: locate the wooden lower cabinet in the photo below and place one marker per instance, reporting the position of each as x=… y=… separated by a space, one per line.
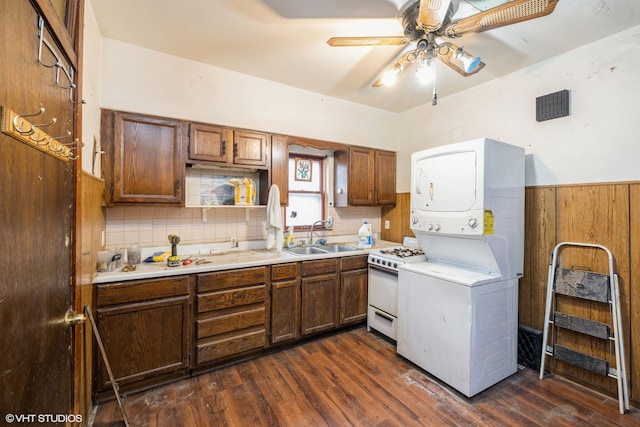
x=231 y=314
x=285 y=302
x=319 y=296
x=354 y=278
x=159 y=330
x=145 y=326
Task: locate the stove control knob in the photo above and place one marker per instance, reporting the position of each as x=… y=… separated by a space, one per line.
x=437 y=228
x=395 y=265
x=430 y=227
x=414 y=220
x=473 y=223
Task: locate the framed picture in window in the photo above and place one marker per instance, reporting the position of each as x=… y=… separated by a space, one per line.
x=303 y=169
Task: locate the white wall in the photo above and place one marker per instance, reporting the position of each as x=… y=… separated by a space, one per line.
x=598 y=142
x=90 y=90
x=141 y=80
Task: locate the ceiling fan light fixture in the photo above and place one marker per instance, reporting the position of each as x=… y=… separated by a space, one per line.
x=425 y=70
x=470 y=62
x=390 y=77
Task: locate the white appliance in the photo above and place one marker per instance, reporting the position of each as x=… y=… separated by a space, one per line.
x=382 y=313
x=458 y=311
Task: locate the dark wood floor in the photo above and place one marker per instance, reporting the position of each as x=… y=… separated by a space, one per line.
x=355 y=378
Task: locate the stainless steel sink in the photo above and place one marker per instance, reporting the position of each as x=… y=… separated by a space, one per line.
x=306 y=250
x=339 y=248
x=325 y=249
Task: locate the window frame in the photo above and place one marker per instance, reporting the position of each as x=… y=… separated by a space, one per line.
x=321 y=179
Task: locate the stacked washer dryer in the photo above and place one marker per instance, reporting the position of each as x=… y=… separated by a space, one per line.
x=458 y=311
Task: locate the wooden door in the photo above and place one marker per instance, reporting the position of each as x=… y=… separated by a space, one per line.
x=361 y=180
x=144 y=158
x=319 y=304
x=37 y=192
x=208 y=142
x=250 y=148
x=353 y=296
x=385 y=179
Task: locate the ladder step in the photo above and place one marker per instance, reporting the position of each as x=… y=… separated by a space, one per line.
x=582 y=325
x=591 y=363
x=583 y=284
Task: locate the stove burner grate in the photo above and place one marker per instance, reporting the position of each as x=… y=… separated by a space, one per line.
x=402 y=252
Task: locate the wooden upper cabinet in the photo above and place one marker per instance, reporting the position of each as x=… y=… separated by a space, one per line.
x=361 y=176
x=207 y=142
x=144 y=160
x=279 y=172
x=250 y=148
x=365 y=177
x=219 y=145
x=385 y=177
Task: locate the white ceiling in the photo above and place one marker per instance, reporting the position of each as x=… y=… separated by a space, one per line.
x=285 y=41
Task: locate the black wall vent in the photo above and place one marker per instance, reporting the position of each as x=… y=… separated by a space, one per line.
x=529 y=347
x=552 y=106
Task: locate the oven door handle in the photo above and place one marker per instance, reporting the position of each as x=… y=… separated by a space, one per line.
x=384 y=315
x=383 y=269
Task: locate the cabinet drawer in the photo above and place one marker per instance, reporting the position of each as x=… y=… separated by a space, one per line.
x=230 y=322
x=236 y=344
x=141 y=290
x=284 y=271
x=321 y=266
x=231 y=298
x=353 y=262
x=232 y=279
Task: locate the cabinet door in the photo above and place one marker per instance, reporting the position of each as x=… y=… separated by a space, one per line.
x=148 y=164
x=207 y=142
x=250 y=148
x=144 y=340
x=385 y=177
x=285 y=312
x=361 y=176
x=319 y=304
x=280 y=166
x=353 y=296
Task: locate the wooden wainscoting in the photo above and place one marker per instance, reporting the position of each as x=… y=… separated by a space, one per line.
x=398 y=217
x=607 y=214
x=90 y=223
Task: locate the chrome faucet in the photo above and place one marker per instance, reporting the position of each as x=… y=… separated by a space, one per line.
x=328 y=221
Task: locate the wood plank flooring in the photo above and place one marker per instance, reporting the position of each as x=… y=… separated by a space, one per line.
x=355 y=378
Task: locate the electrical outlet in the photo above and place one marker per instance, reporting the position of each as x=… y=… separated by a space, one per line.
x=386 y=224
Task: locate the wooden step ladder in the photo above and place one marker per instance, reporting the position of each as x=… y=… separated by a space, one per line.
x=595 y=287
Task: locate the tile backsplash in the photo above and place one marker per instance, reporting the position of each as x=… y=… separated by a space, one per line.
x=150 y=226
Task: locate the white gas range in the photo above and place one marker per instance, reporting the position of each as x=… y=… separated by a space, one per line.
x=382 y=314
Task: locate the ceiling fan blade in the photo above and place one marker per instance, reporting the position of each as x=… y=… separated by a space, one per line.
x=366 y=41
x=500 y=16
x=450 y=60
x=432 y=14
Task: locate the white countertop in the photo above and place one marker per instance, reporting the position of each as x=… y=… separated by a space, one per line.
x=232 y=259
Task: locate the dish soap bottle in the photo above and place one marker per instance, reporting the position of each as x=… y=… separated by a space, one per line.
x=365 y=236
x=289 y=243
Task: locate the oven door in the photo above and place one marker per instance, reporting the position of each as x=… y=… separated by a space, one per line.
x=383 y=301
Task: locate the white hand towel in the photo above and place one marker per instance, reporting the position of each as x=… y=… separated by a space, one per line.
x=275 y=226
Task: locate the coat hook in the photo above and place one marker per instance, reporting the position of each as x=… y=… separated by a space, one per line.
x=56 y=146
x=17 y=122
x=40 y=125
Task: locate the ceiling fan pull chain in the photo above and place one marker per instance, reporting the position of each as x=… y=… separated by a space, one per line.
x=434 y=98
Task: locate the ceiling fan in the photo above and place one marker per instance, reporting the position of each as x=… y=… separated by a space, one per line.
x=428 y=22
